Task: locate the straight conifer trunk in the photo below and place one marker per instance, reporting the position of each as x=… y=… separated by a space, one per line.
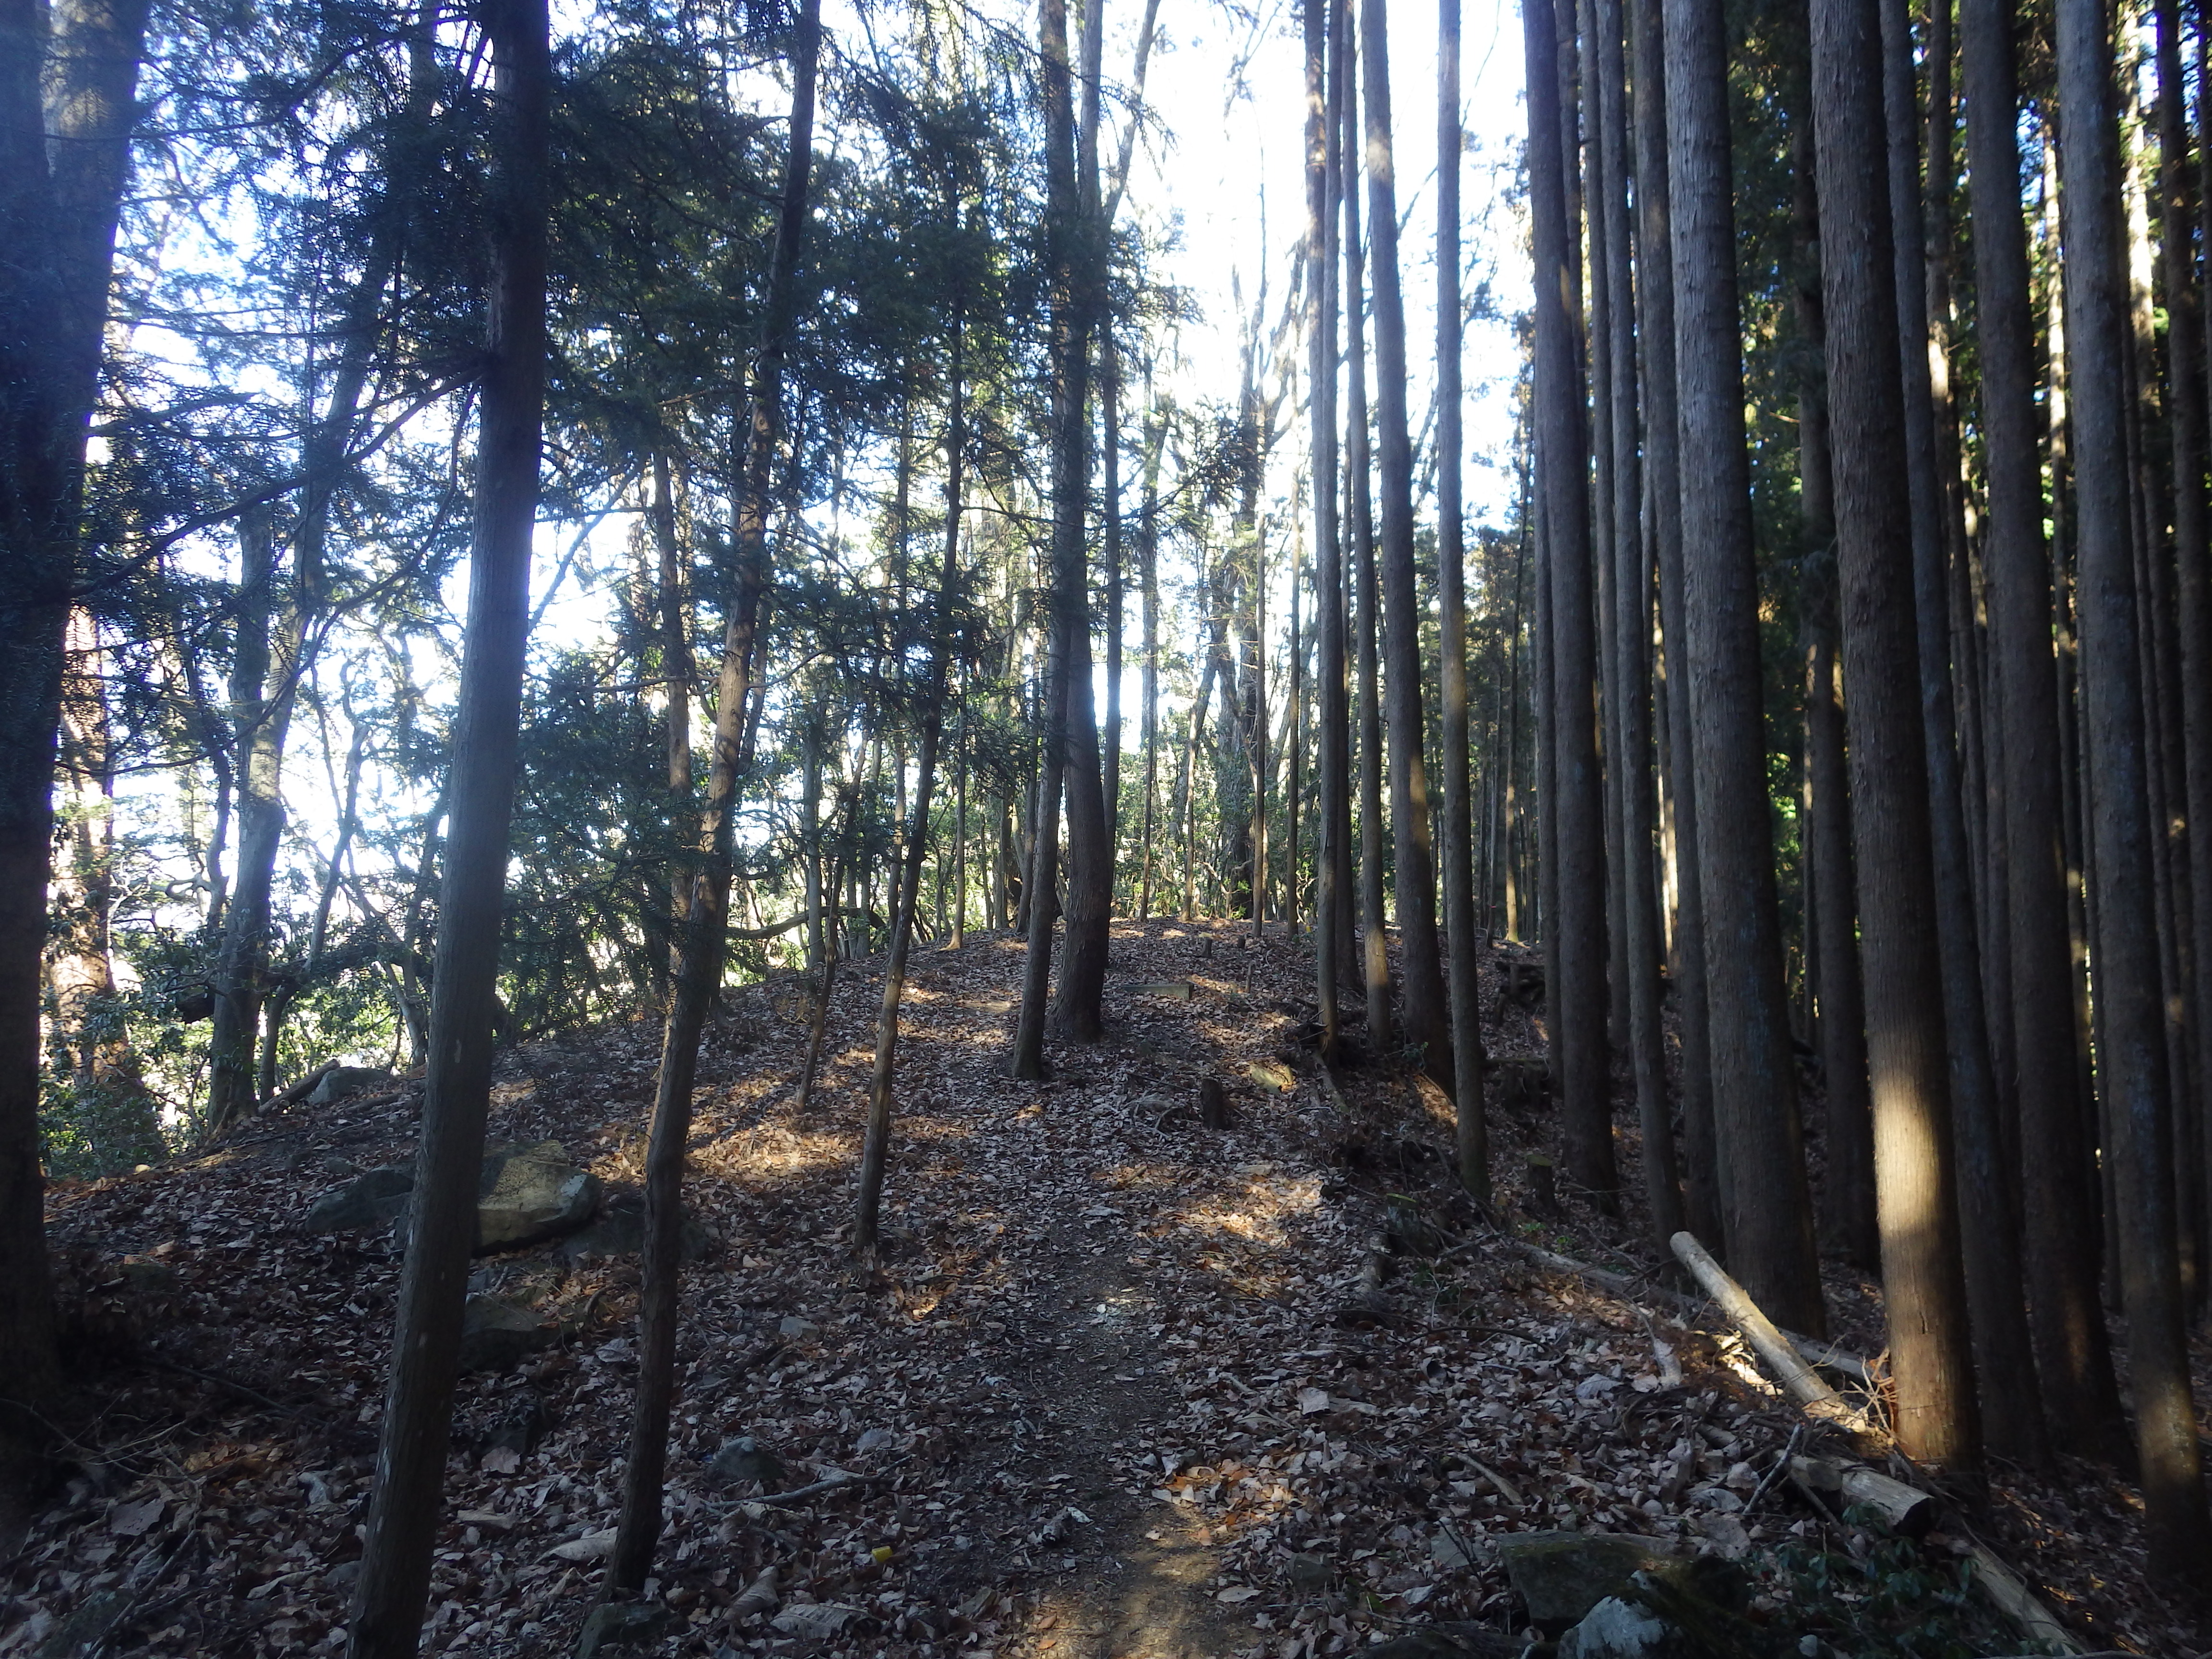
x=1907 y=1053
x=875 y=1149
x=2072 y=1359
x=1374 y=948
x=1576 y=926
x=698 y=975
x=1464 y=991
x=1767 y=1214
x=1627 y=645
x=2012 y=1415
x=71 y=74
x=394 y=1584
x=1655 y=294
x=1332 y=868
x=2132 y=1055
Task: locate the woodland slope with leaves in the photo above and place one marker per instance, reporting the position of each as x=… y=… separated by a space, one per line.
x=1122 y=1383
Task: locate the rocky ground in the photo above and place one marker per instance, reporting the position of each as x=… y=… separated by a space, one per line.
x=1122 y=1385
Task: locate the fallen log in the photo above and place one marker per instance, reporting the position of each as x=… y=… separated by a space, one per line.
x=1899 y=1502
x=1824 y=1354
x=1798 y=1379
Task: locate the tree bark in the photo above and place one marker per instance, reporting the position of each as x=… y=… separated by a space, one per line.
x=698 y=974
x=2131 y=1056
x=2073 y=1361
x=2012 y=1416
x=1907 y=1052
x=1654 y=294
x=1767 y=1216
x=875 y=1149
x=1576 y=926
x=1473 y=1136
x=1374 y=950
x=389 y=1595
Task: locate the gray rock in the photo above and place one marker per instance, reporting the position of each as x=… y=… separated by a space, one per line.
x=532 y=1192
x=375 y=1197
x=619 y=1230
x=342 y=1080
x=1615 y=1628
x=1560 y=1575
x=496 y=1332
x=527 y=1194
x=623 y=1625
x=744 y=1459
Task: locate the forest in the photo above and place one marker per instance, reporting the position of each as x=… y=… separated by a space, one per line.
x=807 y=848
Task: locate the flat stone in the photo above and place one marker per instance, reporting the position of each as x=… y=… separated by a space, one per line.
x=623 y=1625
x=744 y=1459
x=1560 y=1575
x=532 y=1192
x=342 y=1080
x=619 y=1230
x=496 y=1332
x=1174 y=990
x=376 y=1198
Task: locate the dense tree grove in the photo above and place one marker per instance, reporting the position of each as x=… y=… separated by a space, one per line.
x=1818 y=710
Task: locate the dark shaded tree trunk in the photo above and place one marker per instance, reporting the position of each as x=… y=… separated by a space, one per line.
x=1655 y=293
x=1575 y=927
x=875 y=1149
x=63 y=157
x=390 y=1595
x=2012 y=1416
x=2132 y=1055
x=2073 y=1362
x=1767 y=1216
x=1908 y=1055
x=698 y=972
x=1627 y=645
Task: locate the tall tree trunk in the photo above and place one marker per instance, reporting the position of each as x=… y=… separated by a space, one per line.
x=1374 y=950
x=2131 y=1056
x=1767 y=1217
x=698 y=975
x=1458 y=844
x=2012 y=1416
x=875 y=1149
x=1427 y=1023
x=390 y=1594
x=1067 y=629
x=63 y=161
x=1628 y=730
x=1831 y=901
x=2073 y=1363
x=1655 y=293
x=677 y=674
x=1576 y=924
x=1465 y=992
x=1908 y=1055
x=265 y=675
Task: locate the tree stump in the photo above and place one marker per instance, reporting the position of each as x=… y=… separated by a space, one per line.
x=1213 y=1104
x=1543 y=1186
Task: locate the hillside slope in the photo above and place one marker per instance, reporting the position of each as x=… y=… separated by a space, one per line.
x=1124 y=1385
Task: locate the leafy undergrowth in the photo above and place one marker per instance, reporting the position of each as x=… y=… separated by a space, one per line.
x=1121 y=1384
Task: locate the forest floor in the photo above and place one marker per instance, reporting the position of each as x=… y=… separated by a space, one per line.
x=1122 y=1386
